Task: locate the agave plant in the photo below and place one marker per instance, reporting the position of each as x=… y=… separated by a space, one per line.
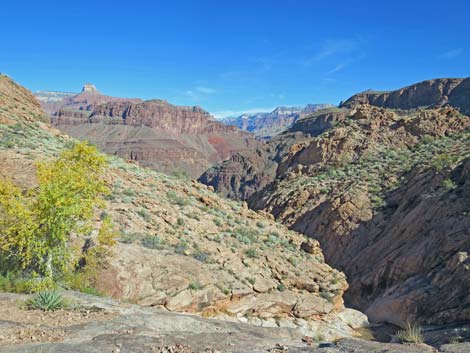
x=47 y=301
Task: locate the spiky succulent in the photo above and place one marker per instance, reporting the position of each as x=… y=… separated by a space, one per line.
x=47 y=301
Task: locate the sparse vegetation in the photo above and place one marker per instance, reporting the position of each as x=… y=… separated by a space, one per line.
x=202 y=256
x=195 y=286
x=411 y=334
x=145 y=214
x=173 y=197
x=448 y=184
x=251 y=253
x=153 y=242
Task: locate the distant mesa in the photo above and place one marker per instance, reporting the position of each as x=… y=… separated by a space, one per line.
x=89 y=88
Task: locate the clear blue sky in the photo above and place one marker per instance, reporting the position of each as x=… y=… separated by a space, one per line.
x=232 y=56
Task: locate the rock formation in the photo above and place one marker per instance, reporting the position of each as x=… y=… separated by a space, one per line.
x=385 y=193
x=155 y=133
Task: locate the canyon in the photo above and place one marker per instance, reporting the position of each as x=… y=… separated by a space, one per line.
x=382 y=183
x=354 y=209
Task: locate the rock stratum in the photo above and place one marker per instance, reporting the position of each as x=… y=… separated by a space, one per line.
x=431 y=93
x=267 y=125
x=183 y=248
x=384 y=191
x=156 y=134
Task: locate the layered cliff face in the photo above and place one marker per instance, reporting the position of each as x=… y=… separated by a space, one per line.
x=431 y=93
x=267 y=125
x=184 y=248
x=385 y=193
x=155 y=133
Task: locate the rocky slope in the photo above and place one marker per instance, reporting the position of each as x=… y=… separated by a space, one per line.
x=183 y=248
x=386 y=194
x=431 y=93
x=155 y=133
x=267 y=125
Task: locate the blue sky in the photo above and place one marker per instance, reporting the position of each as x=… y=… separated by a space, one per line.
x=233 y=56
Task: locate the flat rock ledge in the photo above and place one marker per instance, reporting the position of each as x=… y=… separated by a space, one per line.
x=109 y=326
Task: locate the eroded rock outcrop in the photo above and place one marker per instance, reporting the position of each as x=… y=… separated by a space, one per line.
x=431 y=93
x=385 y=193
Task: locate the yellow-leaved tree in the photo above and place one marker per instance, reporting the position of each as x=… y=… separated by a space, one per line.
x=36 y=225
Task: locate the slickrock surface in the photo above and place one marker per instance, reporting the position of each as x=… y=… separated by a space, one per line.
x=94 y=324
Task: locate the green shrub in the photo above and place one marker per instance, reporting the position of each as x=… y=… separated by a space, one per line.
x=443 y=161
x=153 y=242
x=145 y=214
x=195 y=286
x=202 y=256
x=47 y=301
x=128 y=238
x=251 y=280
x=281 y=287
x=246 y=235
x=411 y=334
x=251 y=253
x=173 y=197
x=260 y=224
x=14 y=282
x=293 y=261
x=91 y=291
x=181 y=248
x=128 y=192
x=180 y=221
x=448 y=184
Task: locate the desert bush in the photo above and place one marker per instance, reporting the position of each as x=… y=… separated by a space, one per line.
x=448 y=184
x=443 y=161
x=251 y=253
x=195 y=286
x=202 y=256
x=173 y=197
x=14 y=282
x=153 y=242
x=144 y=214
x=411 y=334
